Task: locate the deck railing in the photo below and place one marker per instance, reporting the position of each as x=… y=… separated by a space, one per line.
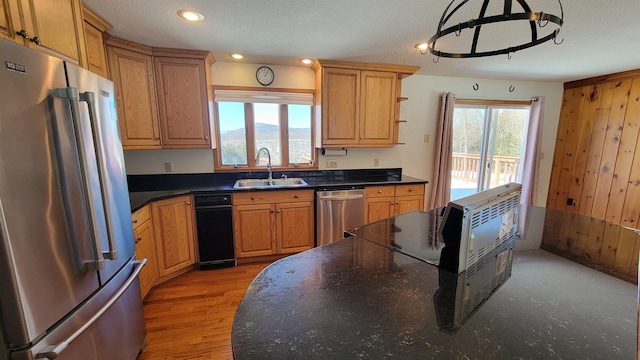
x=504 y=169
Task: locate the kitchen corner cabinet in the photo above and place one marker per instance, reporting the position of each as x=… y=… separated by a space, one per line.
x=55 y=27
x=145 y=248
x=390 y=200
x=182 y=78
x=273 y=222
x=94 y=27
x=173 y=227
x=131 y=69
x=357 y=103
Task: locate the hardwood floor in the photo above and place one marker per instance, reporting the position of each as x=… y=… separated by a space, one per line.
x=190 y=317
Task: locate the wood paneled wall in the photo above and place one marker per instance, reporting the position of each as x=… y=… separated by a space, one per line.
x=596 y=165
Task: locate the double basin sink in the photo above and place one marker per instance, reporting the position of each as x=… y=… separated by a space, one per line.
x=269 y=184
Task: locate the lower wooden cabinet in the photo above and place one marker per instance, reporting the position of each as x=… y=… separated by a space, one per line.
x=253 y=230
x=173 y=227
x=273 y=222
x=390 y=200
x=145 y=248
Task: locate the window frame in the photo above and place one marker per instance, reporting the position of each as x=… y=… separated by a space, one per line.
x=250 y=133
x=488 y=106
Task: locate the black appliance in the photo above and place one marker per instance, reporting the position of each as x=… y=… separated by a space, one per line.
x=214 y=222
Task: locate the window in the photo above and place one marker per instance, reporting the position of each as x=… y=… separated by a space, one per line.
x=281 y=122
x=489 y=139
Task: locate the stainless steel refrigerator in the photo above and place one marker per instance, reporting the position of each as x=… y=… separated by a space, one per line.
x=68 y=272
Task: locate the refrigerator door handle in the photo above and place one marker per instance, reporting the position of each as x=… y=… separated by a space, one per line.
x=72 y=94
x=53 y=351
x=90 y=98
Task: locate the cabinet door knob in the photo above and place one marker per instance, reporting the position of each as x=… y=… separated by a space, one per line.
x=206 y=138
x=361 y=138
x=157 y=138
x=295 y=196
x=138 y=239
x=188 y=202
x=278 y=211
x=36 y=40
x=379 y=191
x=252 y=198
x=135 y=221
x=23 y=33
x=410 y=190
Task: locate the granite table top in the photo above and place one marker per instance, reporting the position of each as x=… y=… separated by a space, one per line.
x=356 y=298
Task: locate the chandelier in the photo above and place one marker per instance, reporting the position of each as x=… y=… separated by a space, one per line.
x=497 y=29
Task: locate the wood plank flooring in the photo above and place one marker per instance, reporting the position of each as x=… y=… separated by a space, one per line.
x=190 y=317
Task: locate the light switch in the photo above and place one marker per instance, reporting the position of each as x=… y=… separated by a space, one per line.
x=427 y=137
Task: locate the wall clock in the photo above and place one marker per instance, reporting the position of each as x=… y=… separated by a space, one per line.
x=264 y=75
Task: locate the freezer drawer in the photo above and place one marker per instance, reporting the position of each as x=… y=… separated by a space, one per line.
x=118 y=333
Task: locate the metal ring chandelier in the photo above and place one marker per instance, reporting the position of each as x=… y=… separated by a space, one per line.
x=536 y=20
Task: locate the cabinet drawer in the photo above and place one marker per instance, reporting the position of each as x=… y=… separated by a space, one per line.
x=411 y=189
x=270 y=197
x=378 y=191
x=140 y=216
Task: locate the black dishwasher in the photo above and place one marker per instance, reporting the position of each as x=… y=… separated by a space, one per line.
x=214 y=222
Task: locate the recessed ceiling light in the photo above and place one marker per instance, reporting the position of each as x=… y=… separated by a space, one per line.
x=237 y=56
x=422 y=47
x=191 y=15
x=306 y=61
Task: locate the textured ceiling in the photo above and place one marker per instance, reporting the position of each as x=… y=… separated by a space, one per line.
x=600 y=37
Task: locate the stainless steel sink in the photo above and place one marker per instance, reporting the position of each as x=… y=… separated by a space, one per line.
x=266 y=184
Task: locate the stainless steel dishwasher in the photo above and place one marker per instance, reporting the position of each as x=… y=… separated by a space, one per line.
x=338 y=210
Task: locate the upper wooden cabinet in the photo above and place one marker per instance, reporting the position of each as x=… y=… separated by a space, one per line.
x=182 y=78
x=131 y=69
x=94 y=27
x=54 y=26
x=162 y=95
x=357 y=103
x=10 y=21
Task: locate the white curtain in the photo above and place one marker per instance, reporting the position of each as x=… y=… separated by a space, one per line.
x=531 y=163
x=441 y=186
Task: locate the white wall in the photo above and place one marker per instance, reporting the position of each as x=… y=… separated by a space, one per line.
x=416 y=158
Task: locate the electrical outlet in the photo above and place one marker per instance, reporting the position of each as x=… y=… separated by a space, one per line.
x=332 y=163
x=376 y=162
x=427 y=137
x=168 y=167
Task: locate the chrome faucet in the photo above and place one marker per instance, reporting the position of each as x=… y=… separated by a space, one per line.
x=268 y=163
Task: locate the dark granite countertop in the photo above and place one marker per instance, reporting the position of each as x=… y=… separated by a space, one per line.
x=146 y=188
x=357 y=298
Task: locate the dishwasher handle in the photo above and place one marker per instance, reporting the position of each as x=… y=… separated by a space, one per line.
x=341 y=198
